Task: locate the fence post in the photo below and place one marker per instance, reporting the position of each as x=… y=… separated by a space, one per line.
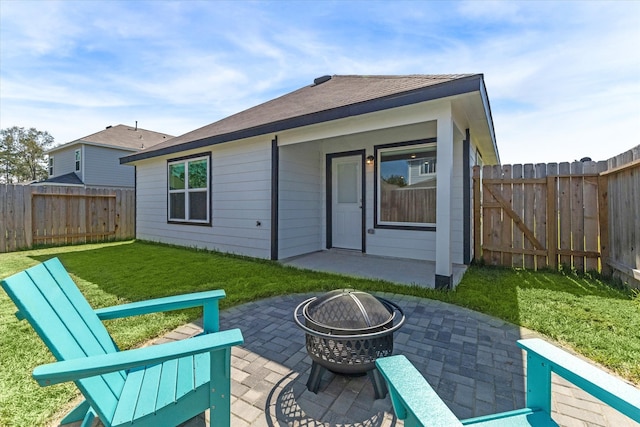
x=603 y=219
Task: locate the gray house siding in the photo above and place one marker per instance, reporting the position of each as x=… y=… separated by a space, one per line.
x=102 y=167
x=64 y=162
x=240 y=201
x=301 y=200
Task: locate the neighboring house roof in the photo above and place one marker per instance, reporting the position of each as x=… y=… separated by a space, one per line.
x=120 y=136
x=329 y=98
x=66 y=179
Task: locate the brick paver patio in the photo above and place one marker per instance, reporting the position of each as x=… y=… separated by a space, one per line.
x=470 y=359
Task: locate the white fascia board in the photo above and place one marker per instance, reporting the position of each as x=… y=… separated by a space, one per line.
x=83 y=142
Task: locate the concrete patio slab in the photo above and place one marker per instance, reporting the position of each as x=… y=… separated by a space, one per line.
x=357 y=264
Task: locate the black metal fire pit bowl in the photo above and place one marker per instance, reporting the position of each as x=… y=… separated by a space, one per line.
x=346 y=331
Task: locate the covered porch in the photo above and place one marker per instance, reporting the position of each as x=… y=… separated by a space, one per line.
x=353 y=263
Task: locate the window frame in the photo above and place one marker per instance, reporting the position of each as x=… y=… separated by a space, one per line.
x=378 y=151
x=186 y=160
x=51 y=164
x=77 y=159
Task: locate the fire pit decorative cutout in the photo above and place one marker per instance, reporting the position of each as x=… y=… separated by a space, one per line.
x=346 y=331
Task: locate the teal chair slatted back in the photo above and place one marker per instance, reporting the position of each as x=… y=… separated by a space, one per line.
x=49 y=299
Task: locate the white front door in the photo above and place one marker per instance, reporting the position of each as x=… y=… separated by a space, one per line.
x=346 y=203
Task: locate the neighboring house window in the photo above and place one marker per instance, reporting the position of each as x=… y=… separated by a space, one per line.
x=189 y=190
x=406 y=184
x=77 y=157
x=428 y=165
x=50 y=165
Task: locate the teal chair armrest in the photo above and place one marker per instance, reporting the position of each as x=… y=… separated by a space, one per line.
x=75 y=369
x=413 y=398
x=544 y=358
x=208 y=300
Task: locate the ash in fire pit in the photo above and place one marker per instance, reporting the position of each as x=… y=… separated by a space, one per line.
x=346 y=331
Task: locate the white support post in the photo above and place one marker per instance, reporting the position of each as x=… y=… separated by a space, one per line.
x=444 y=268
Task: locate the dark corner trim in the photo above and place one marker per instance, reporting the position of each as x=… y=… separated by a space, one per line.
x=329 y=199
x=466 y=199
x=329 y=195
x=135 y=201
x=444 y=282
x=275 y=172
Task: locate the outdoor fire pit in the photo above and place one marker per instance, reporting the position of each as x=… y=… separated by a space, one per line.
x=346 y=331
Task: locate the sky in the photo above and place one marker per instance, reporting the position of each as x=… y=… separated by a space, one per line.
x=563 y=78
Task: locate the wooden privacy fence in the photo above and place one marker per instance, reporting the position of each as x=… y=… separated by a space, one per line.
x=543 y=215
x=623 y=177
x=408 y=204
x=47 y=215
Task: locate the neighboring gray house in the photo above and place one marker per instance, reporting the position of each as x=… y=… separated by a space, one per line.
x=310 y=171
x=94 y=161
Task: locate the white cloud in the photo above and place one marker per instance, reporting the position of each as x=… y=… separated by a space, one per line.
x=563 y=72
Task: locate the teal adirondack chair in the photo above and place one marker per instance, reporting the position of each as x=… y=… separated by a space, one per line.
x=415 y=402
x=161 y=385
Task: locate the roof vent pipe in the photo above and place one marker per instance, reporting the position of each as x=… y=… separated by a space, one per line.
x=320 y=80
x=136 y=125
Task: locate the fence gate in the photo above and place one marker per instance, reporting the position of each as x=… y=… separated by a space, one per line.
x=50 y=215
x=537 y=216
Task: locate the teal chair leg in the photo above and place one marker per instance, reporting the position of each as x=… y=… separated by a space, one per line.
x=220 y=413
x=538 y=383
x=77 y=414
x=88 y=419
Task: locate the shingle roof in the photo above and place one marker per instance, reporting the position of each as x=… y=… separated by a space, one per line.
x=336 y=97
x=121 y=136
x=66 y=179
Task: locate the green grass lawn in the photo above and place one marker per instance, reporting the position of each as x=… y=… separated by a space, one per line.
x=582 y=313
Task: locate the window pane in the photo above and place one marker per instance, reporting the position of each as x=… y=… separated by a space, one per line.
x=176 y=176
x=176 y=206
x=198 y=205
x=408 y=185
x=198 y=174
x=348 y=183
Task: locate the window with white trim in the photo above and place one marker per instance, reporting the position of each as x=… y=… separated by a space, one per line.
x=406 y=185
x=50 y=165
x=189 y=190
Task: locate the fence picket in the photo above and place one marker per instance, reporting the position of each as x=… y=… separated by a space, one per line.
x=564 y=207
x=577 y=215
x=540 y=214
x=506 y=237
x=3 y=219
x=518 y=208
x=529 y=173
x=496 y=222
